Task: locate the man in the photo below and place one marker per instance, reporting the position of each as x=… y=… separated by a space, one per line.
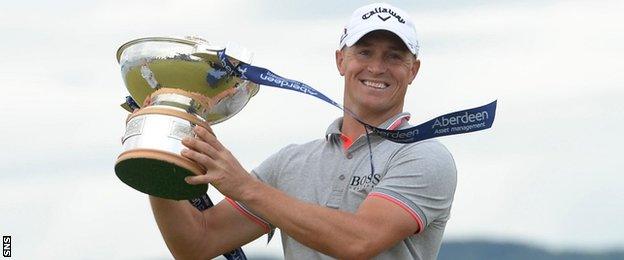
x=323 y=195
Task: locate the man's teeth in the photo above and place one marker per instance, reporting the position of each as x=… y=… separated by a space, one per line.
x=379 y=85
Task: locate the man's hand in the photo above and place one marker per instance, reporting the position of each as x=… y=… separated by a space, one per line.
x=223 y=170
x=193 y=234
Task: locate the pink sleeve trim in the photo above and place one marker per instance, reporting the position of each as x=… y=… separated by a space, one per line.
x=401 y=204
x=249 y=215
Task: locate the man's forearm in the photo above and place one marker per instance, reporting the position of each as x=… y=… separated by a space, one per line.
x=180 y=225
x=336 y=233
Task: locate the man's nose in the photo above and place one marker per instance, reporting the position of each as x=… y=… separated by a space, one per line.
x=377 y=66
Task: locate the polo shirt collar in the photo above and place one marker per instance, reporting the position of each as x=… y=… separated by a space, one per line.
x=395 y=122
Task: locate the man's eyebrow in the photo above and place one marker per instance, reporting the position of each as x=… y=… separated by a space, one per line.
x=399 y=48
x=363 y=43
x=393 y=47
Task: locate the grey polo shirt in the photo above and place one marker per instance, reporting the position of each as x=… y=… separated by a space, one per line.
x=419 y=177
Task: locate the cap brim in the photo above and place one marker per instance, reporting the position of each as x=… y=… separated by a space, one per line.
x=349 y=41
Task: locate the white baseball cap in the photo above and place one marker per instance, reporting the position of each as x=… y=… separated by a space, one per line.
x=380 y=16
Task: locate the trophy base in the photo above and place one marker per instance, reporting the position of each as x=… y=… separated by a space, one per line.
x=159 y=173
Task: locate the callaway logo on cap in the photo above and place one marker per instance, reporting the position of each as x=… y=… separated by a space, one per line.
x=380 y=16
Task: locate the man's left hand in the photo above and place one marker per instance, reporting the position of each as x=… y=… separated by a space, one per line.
x=223 y=170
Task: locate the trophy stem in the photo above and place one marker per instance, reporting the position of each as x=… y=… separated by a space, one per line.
x=151 y=160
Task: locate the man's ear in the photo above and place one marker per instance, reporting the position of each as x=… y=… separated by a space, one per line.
x=414 y=69
x=339 y=61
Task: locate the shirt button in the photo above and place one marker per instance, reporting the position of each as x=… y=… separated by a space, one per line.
x=341 y=177
x=349 y=156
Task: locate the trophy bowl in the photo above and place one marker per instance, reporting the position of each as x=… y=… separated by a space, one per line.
x=176 y=84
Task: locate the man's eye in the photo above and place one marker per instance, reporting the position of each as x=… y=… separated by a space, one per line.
x=364 y=52
x=395 y=56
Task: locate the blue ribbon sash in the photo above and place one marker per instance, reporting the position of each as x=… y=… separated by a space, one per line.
x=464 y=121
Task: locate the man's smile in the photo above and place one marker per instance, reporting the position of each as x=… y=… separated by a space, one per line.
x=375 y=84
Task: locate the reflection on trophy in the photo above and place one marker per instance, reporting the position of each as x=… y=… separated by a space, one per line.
x=179 y=84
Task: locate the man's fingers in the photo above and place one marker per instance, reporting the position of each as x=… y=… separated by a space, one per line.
x=201 y=179
x=208 y=137
x=200 y=146
x=200 y=158
x=203 y=132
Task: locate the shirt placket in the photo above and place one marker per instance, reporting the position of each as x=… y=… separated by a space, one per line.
x=340 y=184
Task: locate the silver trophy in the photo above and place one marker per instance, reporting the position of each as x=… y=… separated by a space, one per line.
x=177 y=83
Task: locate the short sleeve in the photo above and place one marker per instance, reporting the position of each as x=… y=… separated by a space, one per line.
x=421 y=179
x=266 y=172
x=269 y=170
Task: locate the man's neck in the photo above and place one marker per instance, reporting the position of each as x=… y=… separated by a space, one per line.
x=351 y=127
x=354 y=129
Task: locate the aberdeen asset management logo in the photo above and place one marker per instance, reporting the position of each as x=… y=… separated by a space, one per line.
x=6 y=246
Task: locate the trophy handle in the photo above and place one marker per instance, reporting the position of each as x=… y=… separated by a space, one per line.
x=234 y=52
x=206 y=52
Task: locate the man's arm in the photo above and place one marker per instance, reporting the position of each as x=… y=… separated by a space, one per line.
x=376 y=226
x=192 y=234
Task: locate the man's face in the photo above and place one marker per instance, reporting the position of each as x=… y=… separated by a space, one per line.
x=377 y=70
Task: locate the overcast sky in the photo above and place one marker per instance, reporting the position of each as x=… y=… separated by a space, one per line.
x=548 y=173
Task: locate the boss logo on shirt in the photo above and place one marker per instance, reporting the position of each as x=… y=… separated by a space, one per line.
x=359 y=183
